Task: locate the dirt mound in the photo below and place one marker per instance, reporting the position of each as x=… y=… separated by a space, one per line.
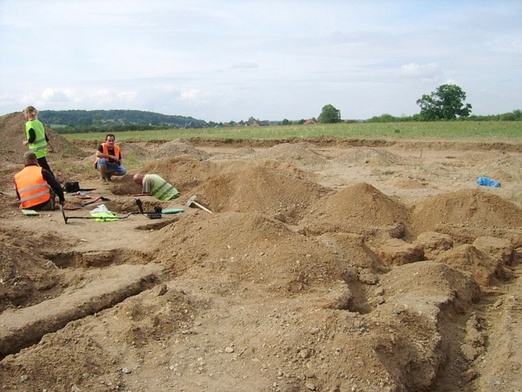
x=12 y=132
x=359 y=208
x=276 y=189
x=486 y=270
x=256 y=249
x=475 y=208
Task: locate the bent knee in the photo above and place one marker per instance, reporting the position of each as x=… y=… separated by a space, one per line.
x=101 y=162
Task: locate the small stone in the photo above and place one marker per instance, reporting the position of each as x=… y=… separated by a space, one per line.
x=229 y=350
x=498 y=303
x=468 y=352
x=161 y=290
x=126 y=370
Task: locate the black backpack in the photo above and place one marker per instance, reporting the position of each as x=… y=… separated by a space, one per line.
x=71 y=186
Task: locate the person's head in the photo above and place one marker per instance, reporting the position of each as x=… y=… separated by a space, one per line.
x=30 y=158
x=110 y=139
x=138 y=178
x=30 y=113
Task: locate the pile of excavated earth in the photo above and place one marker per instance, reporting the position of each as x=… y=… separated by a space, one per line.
x=324 y=264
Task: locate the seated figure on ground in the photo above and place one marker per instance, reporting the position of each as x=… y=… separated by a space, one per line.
x=36 y=187
x=108 y=159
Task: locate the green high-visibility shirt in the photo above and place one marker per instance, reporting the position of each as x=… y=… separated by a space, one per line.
x=158 y=187
x=39 y=146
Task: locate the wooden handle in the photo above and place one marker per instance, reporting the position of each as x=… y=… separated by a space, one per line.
x=203 y=208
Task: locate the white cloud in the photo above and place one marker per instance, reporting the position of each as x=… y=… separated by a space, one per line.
x=245 y=65
x=195 y=96
x=421 y=71
x=128 y=96
x=52 y=95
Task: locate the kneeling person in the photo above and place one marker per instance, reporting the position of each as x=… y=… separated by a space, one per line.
x=108 y=159
x=154 y=185
x=36 y=187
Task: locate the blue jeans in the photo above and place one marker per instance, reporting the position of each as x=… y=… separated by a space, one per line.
x=112 y=168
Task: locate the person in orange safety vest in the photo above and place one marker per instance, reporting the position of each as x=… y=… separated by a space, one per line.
x=36 y=187
x=108 y=159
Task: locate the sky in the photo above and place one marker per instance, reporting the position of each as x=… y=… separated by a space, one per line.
x=229 y=60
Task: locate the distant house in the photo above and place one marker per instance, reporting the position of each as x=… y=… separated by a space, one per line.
x=252 y=122
x=310 y=121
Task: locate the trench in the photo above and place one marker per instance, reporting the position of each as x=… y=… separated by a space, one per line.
x=99 y=259
x=22 y=328
x=492 y=330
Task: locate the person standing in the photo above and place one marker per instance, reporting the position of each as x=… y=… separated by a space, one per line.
x=154 y=185
x=36 y=138
x=108 y=159
x=35 y=186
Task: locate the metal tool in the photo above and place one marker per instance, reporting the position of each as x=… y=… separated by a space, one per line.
x=151 y=215
x=107 y=219
x=95 y=200
x=192 y=201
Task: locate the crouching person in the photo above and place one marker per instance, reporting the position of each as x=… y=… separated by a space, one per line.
x=36 y=187
x=108 y=159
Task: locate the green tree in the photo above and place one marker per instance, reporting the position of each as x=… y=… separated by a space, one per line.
x=384 y=118
x=507 y=116
x=445 y=103
x=329 y=115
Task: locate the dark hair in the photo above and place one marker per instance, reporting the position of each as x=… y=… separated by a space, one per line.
x=109 y=135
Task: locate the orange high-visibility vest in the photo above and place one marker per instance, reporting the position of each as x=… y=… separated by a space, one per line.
x=106 y=152
x=32 y=187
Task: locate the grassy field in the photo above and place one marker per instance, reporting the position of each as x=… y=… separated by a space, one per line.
x=491 y=130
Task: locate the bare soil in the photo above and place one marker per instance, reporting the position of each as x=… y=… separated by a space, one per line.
x=325 y=265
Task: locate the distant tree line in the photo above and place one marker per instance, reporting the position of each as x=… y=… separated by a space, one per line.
x=80 y=121
x=446 y=103
x=515 y=115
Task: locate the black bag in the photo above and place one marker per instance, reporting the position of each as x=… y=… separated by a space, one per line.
x=71 y=186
